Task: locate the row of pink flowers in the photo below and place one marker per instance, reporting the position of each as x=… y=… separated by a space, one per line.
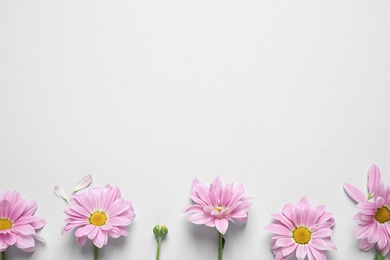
x=299 y=229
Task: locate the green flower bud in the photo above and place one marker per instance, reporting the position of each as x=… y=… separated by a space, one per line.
x=160 y=230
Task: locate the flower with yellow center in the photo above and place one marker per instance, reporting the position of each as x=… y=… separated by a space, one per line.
x=98 y=214
x=373 y=218
x=302 y=230
x=18 y=224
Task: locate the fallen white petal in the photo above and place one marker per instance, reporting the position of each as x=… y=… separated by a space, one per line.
x=60 y=193
x=83 y=183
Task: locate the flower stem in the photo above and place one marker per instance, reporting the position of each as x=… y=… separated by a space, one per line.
x=95 y=253
x=3 y=256
x=219 y=246
x=379 y=256
x=158 y=248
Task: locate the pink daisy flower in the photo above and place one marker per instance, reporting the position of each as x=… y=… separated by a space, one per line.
x=217 y=205
x=373 y=217
x=97 y=214
x=302 y=230
x=17 y=224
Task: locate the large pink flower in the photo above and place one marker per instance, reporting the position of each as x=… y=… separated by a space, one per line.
x=302 y=229
x=373 y=217
x=17 y=224
x=216 y=205
x=98 y=214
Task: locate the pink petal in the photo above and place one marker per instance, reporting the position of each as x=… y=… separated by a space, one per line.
x=9 y=238
x=4 y=209
x=362 y=231
x=367 y=208
x=193 y=208
x=222 y=225
x=284 y=241
x=88 y=229
x=100 y=239
x=197 y=218
x=12 y=196
x=25 y=243
x=3 y=245
x=364 y=245
x=316 y=254
x=321 y=233
x=81 y=240
x=30 y=209
x=112 y=194
x=304 y=201
x=278 y=229
x=285 y=221
x=93 y=233
x=114 y=232
x=319 y=244
x=301 y=252
x=287 y=250
x=355 y=194
x=23 y=229
x=373 y=178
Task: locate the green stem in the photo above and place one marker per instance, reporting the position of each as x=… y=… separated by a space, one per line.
x=95 y=253
x=379 y=256
x=219 y=246
x=3 y=256
x=158 y=248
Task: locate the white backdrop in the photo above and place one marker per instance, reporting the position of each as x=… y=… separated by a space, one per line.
x=289 y=97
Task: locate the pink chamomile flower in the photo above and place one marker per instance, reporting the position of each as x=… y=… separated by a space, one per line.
x=302 y=230
x=17 y=224
x=97 y=214
x=217 y=205
x=373 y=217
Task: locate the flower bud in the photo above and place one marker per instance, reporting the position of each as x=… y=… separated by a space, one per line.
x=160 y=230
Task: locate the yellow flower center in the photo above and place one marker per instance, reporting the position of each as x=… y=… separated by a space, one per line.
x=219 y=207
x=382 y=215
x=5 y=224
x=98 y=218
x=301 y=235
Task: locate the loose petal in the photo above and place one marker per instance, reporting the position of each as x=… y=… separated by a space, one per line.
x=60 y=193
x=83 y=183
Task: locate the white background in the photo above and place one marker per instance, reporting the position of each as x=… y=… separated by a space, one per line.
x=290 y=98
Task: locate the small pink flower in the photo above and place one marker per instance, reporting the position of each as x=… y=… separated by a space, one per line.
x=217 y=205
x=97 y=214
x=373 y=217
x=302 y=229
x=17 y=224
